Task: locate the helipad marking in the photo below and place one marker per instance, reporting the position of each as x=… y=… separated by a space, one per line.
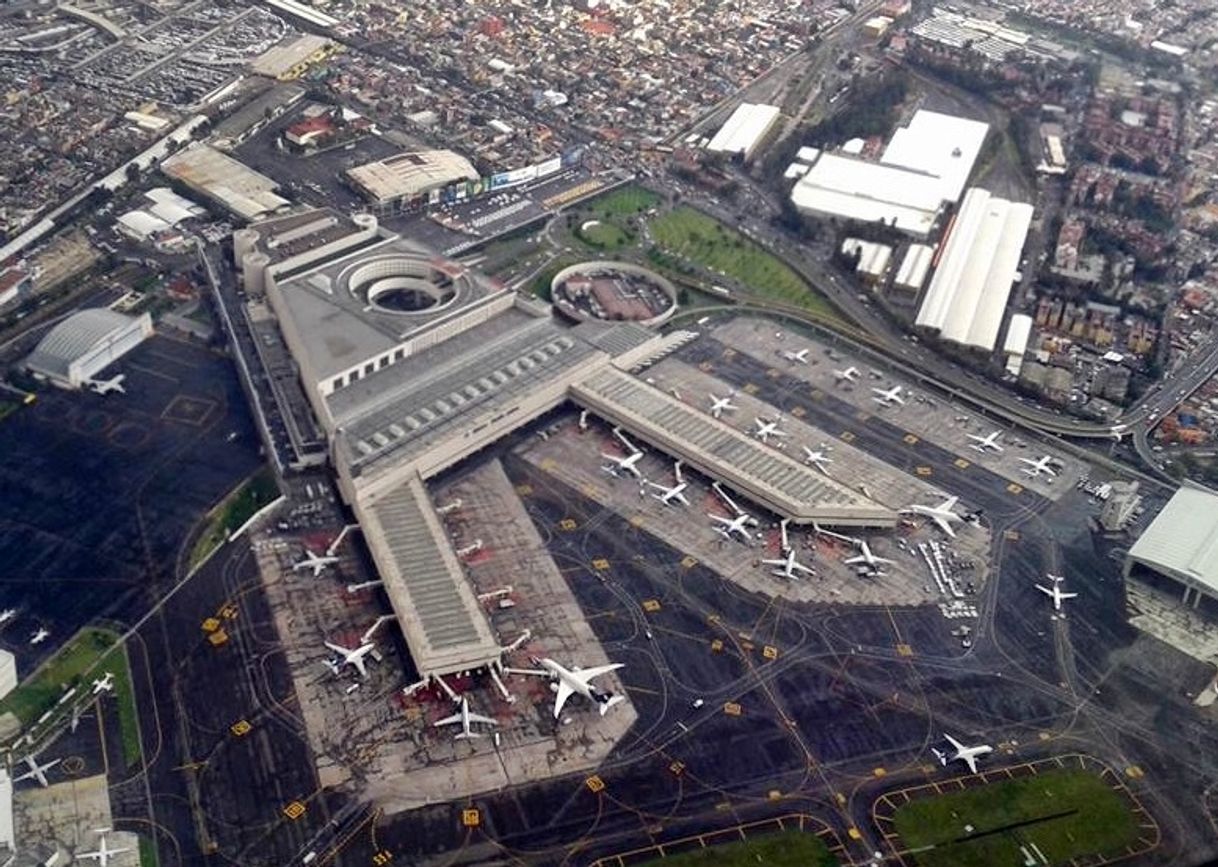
x=294 y=810
x=910 y=439
x=846 y=437
x=471 y=818
x=961 y=464
x=925 y=471
x=1014 y=488
x=595 y=784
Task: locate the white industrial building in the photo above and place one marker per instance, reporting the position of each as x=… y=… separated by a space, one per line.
x=407 y=175
x=873 y=257
x=1178 y=552
x=1019 y=332
x=744 y=130
x=924 y=167
x=914 y=267
x=227 y=182
x=84 y=344
x=968 y=294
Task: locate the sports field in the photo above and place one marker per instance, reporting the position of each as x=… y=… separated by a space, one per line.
x=779 y=849
x=1063 y=814
x=622 y=202
x=704 y=241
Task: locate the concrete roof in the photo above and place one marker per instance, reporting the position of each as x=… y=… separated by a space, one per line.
x=444 y=626
x=411 y=174
x=74 y=337
x=233 y=184
x=713 y=447
x=939 y=144
x=1182 y=541
x=858 y=189
x=744 y=129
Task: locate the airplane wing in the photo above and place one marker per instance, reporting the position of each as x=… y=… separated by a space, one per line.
x=955 y=743
x=944 y=525
x=455 y=719
x=485 y=720
x=684 y=500
x=949 y=503
x=360 y=665
x=971 y=761
x=587 y=674
x=854 y=560
x=560 y=698
x=341 y=650
x=774 y=562
x=800 y=567
x=1044 y=589
x=1066 y=595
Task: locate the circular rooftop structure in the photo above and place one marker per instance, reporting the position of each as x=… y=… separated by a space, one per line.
x=405 y=285
x=614 y=292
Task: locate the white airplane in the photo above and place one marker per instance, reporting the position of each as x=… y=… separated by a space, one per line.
x=353 y=657
x=865 y=556
x=1055 y=591
x=888 y=397
x=720 y=405
x=1040 y=466
x=575 y=681
x=40 y=636
x=800 y=357
x=986 y=443
x=817 y=458
x=627 y=463
x=102 y=854
x=465 y=718
x=37 y=772
x=767 y=429
x=7 y=614
x=850 y=374
x=103 y=684
x=968 y=755
x=734 y=526
x=105 y=386
x=789 y=566
x=942 y=514
x=667 y=495
x=317 y=562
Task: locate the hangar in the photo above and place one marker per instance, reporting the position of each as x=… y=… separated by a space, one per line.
x=85 y=343
x=412 y=363
x=1178 y=552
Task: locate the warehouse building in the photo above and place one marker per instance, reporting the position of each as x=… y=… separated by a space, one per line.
x=745 y=130
x=915 y=265
x=978 y=264
x=1178 y=553
x=84 y=344
x=232 y=185
x=406 y=176
x=873 y=258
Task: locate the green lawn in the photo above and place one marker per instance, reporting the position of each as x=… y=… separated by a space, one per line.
x=128 y=718
x=603 y=235
x=692 y=235
x=237 y=508
x=622 y=202
x=147 y=852
x=1066 y=814
x=777 y=849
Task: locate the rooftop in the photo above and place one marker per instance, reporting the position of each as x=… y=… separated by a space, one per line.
x=1182 y=541
x=411 y=174
x=237 y=187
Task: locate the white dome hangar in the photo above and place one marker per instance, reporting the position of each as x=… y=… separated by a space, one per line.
x=85 y=343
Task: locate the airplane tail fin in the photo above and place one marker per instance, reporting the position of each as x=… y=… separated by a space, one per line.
x=610 y=701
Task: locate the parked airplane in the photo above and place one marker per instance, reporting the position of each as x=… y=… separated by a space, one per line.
x=865 y=556
x=37 y=772
x=465 y=718
x=789 y=566
x=888 y=397
x=720 y=405
x=800 y=357
x=986 y=443
x=317 y=562
x=850 y=374
x=817 y=458
x=104 y=684
x=1040 y=466
x=1055 y=591
x=767 y=429
x=734 y=526
x=40 y=636
x=574 y=681
x=353 y=656
x=968 y=755
x=105 y=386
x=942 y=514
x=667 y=495
x=102 y=854
x=627 y=463
x=7 y=614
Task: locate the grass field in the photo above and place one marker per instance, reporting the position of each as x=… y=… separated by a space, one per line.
x=779 y=849
x=1065 y=814
x=237 y=508
x=622 y=202
x=147 y=852
x=92 y=648
x=704 y=241
x=603 y=235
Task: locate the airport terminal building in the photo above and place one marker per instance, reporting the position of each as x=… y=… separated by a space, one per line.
x=1178 y=552
x=412 y=363
x=84 y=344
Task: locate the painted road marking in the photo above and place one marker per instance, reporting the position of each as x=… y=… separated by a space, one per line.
x=651 y=605
x=846 y=437
x=241 y=728
x=732 y=709
x=750 y=388
x=1011 y=535
x=471 y=818
x=294 y=810
x=524 y=490
x=769 y=652
x=961 y=464
x=925 y=471
x=1014 y=488
x=600 y=564
x=595 y=784
x=799 y=412
x=567 y=524
x=689 y=562
x=910 y=439
x=717 y=645
x=904 y=650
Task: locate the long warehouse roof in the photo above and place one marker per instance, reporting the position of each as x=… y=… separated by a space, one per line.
x=720 y=451
x=1183 y=539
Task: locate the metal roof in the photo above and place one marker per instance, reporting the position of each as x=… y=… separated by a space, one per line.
x=1182 y=541
x=445 y=627
x=713 y=447
x=76 y=336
